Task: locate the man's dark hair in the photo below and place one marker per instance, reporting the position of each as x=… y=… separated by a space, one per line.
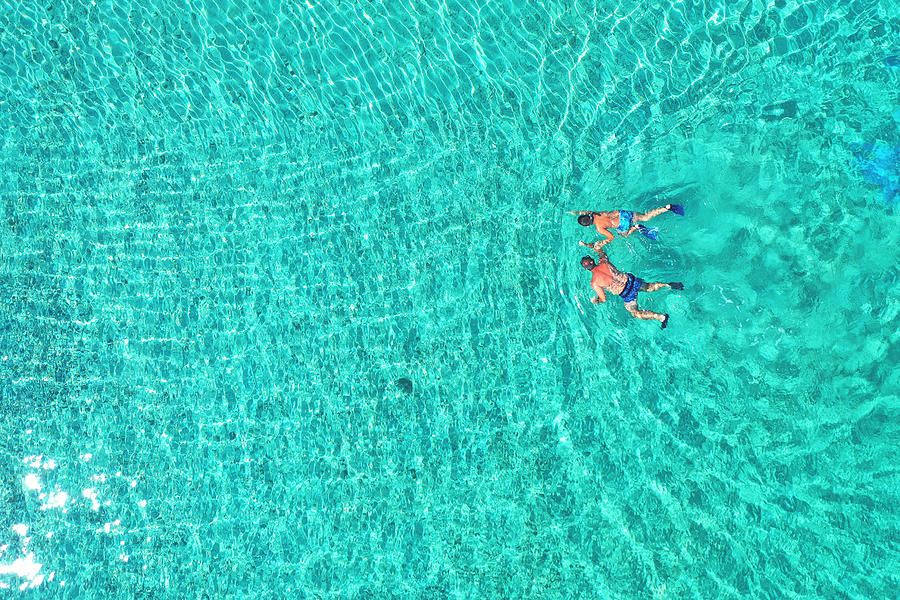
x=585 y=220
x=586 y=262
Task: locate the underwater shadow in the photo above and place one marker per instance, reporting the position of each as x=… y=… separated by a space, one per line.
x=675 y=193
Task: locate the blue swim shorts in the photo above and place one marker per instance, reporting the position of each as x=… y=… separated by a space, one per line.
x=632 y=287
x=625 y=220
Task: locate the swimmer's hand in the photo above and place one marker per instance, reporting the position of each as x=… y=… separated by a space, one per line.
x=596 y=300
x=596 y=246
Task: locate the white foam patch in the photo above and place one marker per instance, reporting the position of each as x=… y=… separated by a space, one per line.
x=55 y=500
x=21 y=529
x=91 y=494
x=36 y=461
x=26 y=568
x=32 y=482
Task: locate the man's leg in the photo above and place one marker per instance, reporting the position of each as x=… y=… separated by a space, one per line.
x=637 y=313
x=652 y=286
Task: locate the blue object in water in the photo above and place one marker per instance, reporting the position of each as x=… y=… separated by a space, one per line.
x=677 y=209
x=650 y=232
x=893 y=60
x=880 y=165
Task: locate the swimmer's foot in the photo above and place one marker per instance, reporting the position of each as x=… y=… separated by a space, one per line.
x=676 y=285
x=650 y=232
x=677 y=209
x=665 y=321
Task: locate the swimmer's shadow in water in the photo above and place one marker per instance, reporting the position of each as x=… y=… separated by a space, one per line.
x=780 y=110
x=677 y=193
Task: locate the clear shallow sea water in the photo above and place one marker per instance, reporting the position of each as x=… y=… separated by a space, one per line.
x=292 y=308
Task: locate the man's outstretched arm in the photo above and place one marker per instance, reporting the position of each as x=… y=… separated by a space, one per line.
x=597 y=247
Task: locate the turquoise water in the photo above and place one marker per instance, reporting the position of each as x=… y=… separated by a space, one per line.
x=292 y=307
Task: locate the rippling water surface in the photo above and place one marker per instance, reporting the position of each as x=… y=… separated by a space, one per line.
x=291 y=307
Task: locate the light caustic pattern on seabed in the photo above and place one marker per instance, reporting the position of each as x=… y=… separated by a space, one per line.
x=292 y=307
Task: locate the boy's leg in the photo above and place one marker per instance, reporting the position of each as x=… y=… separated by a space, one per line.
x=649 y=215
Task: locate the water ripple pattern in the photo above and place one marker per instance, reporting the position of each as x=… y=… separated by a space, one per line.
x=291 y=307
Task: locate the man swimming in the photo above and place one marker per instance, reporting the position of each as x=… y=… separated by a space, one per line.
x=624 y=221
x=605 y=277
